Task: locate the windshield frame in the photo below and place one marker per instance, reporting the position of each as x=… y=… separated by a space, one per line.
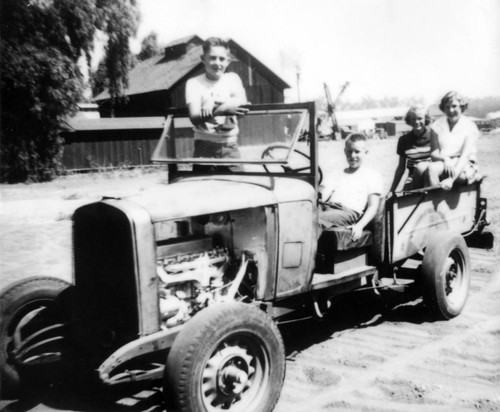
x=254 y=110
x=306 y=124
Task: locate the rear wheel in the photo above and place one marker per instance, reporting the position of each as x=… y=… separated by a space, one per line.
x=446 y=274
x=25 y=308
x=228 y=357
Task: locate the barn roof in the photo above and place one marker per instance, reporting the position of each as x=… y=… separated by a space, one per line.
x=182 y=40
x=115 y=123
x=258 y=64
x=161 y=73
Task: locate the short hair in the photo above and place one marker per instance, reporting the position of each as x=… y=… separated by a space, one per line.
x=450 y=96
x=418 y=108
x=214 y=42
x=355 y=137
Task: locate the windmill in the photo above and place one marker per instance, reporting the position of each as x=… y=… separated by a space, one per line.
x=331 y=106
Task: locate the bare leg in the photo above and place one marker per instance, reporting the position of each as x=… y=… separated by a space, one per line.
x=433 y=173
x=418 y=175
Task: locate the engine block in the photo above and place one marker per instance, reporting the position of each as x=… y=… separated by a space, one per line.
x=189 y=282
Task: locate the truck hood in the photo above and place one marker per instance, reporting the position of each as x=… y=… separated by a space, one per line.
x=201 y=196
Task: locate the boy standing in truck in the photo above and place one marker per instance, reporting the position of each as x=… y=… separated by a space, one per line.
x=214 y=99
x=352 y=198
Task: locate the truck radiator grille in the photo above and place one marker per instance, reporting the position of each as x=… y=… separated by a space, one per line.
x=106 y=315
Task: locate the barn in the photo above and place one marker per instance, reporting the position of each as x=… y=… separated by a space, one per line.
x=127 y=133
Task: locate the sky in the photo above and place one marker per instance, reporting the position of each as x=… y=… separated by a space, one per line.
x=403 y=48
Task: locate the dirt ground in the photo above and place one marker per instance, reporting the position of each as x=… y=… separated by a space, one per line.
x=369 y=354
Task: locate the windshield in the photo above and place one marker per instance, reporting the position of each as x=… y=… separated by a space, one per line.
x=265 y=137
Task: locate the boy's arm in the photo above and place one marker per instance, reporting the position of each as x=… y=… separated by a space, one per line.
x=370 y=213
x=198 y=112
x=326 y=189
x=237 y=99
x=197 y=115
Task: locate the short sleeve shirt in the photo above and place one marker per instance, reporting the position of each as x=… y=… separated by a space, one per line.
x=353 y=189
x=415 y=149
x=451 y=142
x=201 y=88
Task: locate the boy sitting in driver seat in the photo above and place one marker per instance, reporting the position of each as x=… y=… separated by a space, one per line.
x=351 y=198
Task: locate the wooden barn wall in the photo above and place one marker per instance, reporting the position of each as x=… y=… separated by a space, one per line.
x=94 y=149
x=259 y=89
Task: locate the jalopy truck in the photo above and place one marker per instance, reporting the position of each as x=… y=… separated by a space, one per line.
x=189 y=282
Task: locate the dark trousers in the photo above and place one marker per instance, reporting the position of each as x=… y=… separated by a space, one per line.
x=203 y=148
x=335 y=215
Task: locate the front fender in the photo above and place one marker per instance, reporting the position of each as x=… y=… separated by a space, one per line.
x=159 y=341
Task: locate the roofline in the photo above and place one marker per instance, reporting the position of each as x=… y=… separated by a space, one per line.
x=103 y=100
x=185 y=38
x=258 y=62
x=188 y=74
x=114 y=123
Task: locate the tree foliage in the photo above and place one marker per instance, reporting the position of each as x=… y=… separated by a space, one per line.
x=119 y=20
x=41 y=82
x=99 y=80
x=149 y=47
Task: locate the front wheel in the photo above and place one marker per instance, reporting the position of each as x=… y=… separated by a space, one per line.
x=26 y=307
x=446 y=274
x=230 y=356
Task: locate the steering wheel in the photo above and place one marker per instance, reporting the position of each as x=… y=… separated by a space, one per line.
x=268 y=152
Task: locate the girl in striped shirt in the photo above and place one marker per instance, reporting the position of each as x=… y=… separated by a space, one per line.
x=414 y=149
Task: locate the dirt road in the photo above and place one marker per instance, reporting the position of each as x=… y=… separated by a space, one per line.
x=398 y=360
x=368 y=355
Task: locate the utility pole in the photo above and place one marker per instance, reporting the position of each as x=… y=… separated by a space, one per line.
x=298 y=84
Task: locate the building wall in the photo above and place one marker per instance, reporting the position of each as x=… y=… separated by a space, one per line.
x=91 y=150
x=259 y=88
x=139 y=105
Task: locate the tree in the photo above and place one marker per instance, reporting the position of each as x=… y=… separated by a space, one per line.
x=119 y=20
x=149 y=47
x=41 y=82
x=99 y=80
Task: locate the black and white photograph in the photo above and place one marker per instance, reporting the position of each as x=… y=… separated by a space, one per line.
x=265 y=206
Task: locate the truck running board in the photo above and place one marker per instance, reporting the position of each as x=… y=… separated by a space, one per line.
x=321 y=281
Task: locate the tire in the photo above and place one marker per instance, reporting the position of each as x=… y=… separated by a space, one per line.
x=230 y=356
x=446 y=274
x=20 y=304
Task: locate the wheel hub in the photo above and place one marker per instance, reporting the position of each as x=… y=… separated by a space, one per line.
x=232 y=380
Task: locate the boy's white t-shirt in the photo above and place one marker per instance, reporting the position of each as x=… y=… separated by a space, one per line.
x=352 y=189
x=200 y=88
